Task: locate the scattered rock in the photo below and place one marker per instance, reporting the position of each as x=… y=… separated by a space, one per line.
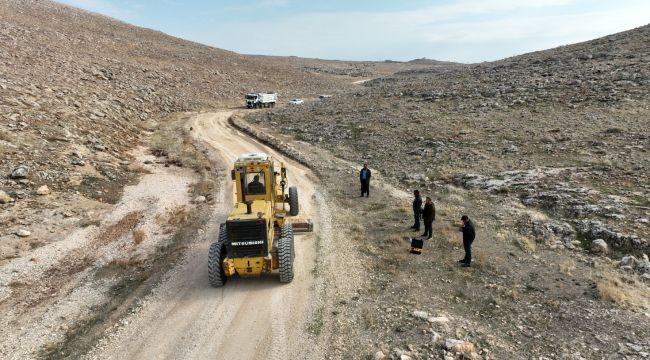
x=200 y=199
x=630 y=261
x=439 y=319
x=420 y=314
x=5 y=198
x=379 y=355
x=435 y=337
x=20 y=172
x=460 y=346
x=599 y=246
x=23 y=233
x=43 y=190
x=77 y=161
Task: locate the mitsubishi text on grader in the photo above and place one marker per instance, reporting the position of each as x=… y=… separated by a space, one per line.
x=257 y=237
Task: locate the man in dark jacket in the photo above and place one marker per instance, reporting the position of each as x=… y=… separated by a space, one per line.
x=364 y=177
x=417 y=210
x=428 y=215
x=468 y=239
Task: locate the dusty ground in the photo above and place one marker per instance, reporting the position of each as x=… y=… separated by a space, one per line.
x=547 y=152
x=65 y=285
x=248 y=318
x=522 y=299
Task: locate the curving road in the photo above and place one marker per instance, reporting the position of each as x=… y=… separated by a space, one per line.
x=251 y=318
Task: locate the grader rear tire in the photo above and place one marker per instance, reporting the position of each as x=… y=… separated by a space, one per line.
x=294 y=206
x=285 y=258
x=216 y=255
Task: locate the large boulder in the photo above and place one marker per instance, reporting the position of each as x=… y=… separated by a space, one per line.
x=599 y=246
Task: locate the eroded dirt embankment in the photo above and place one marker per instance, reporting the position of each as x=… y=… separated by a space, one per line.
x=66 y=287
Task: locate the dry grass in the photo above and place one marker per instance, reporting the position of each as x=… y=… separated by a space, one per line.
x=394 y=239
x=89 y=222
x=120 y=264
x=139 y=236
x=480 y=260
x=139 y=169
x=369 y=317
x=567 y=266
x=357 y=232
x=205 y=185
x=6 y=136
x=172 y=141
x=450 y=234
x=525 y=243
x=178 y=216
x=622 y=290
x=117 y=230
x=404 y=208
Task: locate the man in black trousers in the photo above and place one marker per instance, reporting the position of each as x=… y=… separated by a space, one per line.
x=428 y=215
x=364 y=177
x=417 y=210
x=468 y=239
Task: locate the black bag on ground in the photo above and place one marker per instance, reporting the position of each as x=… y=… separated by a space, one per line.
x=416 y=246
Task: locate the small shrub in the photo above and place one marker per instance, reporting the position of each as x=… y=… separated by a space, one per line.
x=178 y=216
x=526 y=244
x=622 y=290
x=120 y=263
x=139 y=169
x=451 y=234
x=138 y=236
x=567 y=266
x=89 y=222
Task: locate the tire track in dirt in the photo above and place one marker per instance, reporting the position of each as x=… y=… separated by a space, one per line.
x=249 y=317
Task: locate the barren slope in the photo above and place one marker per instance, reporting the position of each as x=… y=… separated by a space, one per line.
x=547 y=152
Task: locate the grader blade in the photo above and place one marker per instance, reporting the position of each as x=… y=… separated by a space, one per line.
x=300 y=225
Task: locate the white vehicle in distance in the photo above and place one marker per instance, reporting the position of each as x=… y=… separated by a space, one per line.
x=296 y=102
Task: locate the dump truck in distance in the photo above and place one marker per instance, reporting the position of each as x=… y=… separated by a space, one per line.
x=261 y=100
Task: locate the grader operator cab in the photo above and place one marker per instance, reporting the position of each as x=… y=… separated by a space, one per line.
x=258 y=235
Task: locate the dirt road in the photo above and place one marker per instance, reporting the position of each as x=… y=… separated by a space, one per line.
x=253 y=318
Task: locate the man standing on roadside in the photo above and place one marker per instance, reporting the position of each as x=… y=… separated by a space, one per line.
x=417 y=210
x=364 y=177
x=468 y=239
x=428 y=215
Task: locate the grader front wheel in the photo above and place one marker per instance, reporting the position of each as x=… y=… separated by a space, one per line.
x=294 y=206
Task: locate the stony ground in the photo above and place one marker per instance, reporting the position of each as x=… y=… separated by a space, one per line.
x=547 y=152
x=74 y=99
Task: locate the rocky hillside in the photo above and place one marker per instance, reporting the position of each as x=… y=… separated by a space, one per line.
x=546 y=152
x=78 y=91
x=562 y=130
x=69 y=77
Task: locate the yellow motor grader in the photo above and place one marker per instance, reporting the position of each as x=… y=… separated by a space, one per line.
x=257 y=237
